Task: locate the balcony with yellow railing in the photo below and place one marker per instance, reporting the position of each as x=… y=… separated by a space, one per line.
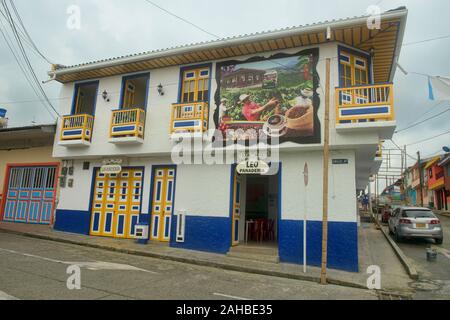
x=127 y=126
x=76 y=130
x=365 y=106
x=379 y=153
x=189 y=119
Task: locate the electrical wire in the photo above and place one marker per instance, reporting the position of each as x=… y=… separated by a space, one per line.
x=423 y=121
x=25 y=57
x=426 y=40
x=182 y=19
x=33 y=44
x=428 y=139
x=24 y=38
x=19 y=63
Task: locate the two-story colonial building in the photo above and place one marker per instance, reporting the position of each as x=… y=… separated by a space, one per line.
x=129 y=120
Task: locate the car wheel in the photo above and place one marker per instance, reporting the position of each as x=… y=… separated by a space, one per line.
x=439 y=241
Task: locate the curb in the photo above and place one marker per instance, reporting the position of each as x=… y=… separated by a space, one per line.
x=444 y=214
x=410 y=269
x=203 y=263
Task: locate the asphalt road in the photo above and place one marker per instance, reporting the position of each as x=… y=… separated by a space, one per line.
x=434 y=277
x=37 y=269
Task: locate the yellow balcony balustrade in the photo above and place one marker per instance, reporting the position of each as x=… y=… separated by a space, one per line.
x=127 y=125
x=379 y=151
x=189 y=118
x=77 y=128
x=359 y=104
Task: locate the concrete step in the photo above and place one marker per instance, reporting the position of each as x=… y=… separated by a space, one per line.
x=254 y=257
x=255 y=253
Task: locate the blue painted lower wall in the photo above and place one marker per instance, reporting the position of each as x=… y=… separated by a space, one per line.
x=213 y=234
x=342 y=244
x=209 y=234
x=73 y=221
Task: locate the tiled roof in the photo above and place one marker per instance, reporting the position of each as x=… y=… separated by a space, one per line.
x=217 y=41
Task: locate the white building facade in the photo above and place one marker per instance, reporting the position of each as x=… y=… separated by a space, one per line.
x=128 y=115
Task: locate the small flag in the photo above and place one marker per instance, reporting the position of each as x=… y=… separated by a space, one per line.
x=430 y=90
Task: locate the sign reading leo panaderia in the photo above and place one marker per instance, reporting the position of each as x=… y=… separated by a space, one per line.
x=275 y=97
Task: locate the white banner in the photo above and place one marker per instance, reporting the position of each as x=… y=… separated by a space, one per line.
x=439 y=88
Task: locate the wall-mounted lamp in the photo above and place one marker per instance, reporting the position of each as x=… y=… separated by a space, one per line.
x=105 y=96
x=372 y=52
x=160 y=89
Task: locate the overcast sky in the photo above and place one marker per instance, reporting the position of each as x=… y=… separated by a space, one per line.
x=112 y=28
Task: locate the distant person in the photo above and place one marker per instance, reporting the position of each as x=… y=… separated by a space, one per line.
x=365 y=203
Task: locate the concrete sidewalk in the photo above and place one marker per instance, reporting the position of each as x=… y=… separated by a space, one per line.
x=373 y=250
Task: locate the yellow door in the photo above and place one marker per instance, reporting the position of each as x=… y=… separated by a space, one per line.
x=128 y=100
x=236 y=216
x=117 y=203
x=162 y=203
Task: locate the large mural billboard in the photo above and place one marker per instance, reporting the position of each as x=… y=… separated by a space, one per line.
x=272 y=97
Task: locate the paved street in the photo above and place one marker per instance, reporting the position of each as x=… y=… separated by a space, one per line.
x=36 y=269
x=434 y=276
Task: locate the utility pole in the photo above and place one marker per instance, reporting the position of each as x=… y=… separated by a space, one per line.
x=405 y=186
x=420 y=178
x=326 y=156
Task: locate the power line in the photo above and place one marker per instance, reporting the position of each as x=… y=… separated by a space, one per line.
x=428 y=139
x=182 y=19
x=27 y=34
x=423 y=121
x=426 y=40
x=25 y=57
x=24 y=38
x=395 y=144
x=19 y=63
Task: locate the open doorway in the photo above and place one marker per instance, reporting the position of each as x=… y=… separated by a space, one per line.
x=135 y=91
x=85 y=98
x=255 y=210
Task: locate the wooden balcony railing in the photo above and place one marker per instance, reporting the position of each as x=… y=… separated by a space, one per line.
x=77 y=127
x=365 y=104
x=189 y=117
x=128 y=123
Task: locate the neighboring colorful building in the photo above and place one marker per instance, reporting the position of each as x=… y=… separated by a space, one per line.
x=422 y=194
x=436 y=183
x=127 y=116
x=410 y=192
x=28 y=174
x=445 y=164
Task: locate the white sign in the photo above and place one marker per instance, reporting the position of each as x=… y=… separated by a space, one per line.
x=111 y=168
x=253 y=167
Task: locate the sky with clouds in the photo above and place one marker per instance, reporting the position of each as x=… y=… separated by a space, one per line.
x=112 y=28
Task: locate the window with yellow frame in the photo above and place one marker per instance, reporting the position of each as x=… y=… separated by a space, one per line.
x=354 y=70
x=195 y=86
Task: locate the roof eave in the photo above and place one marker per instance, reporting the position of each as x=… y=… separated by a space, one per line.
x=400 y=13
x=399 y=45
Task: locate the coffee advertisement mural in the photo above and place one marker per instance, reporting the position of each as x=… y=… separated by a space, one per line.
x=271 y=97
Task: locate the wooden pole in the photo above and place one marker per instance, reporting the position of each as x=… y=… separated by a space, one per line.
x=326 y=157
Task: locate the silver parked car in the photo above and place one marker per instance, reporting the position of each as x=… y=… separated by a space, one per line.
x=412 y=222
